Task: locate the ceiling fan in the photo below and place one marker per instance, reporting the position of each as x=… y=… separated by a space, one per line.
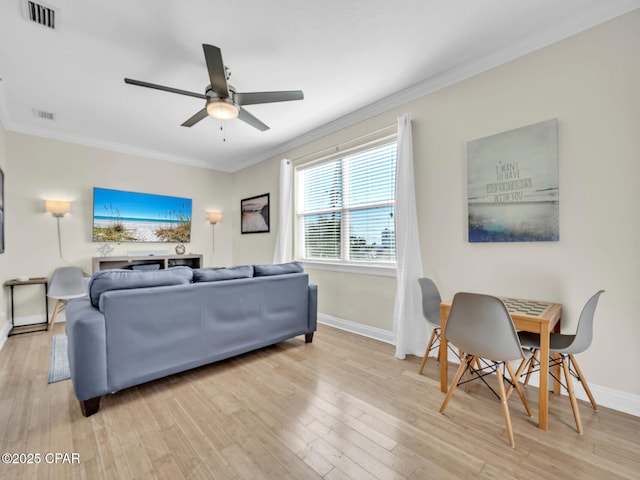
x=223 y=102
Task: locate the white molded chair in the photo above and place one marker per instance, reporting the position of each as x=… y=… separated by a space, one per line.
x=562 y=349
x=481 y=326
x=431 y=312
x=66 y=283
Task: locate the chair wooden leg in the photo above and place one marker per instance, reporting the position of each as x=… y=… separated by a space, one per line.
x=454 y=383
x=576 y=367
x=557 y=385
x=516 y=385
x=478 y=364
x=426 y=353
x=572 y=396
x=505 y=408
x=532 y=362
x=56 y=309
x=523 y=364
x=467 y=373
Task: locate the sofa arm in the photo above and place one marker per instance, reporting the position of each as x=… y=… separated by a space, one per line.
x=313 y=307
x=87 y=349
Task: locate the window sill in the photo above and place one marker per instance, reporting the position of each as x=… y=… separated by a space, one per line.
x=377 y=269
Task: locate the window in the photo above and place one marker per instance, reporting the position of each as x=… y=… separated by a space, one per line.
x=345 y=207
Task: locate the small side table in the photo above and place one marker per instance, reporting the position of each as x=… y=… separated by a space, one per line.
x=32 y=327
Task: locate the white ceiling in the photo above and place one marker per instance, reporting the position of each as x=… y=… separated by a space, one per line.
x=352 y=59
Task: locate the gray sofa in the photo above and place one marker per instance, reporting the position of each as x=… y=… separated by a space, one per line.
x=137 y=326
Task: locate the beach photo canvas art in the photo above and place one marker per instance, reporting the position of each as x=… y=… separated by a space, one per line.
x=513 y=189
x=255 y=214
x=120 y=216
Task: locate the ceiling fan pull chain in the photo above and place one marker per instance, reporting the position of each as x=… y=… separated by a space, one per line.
x=224 y=137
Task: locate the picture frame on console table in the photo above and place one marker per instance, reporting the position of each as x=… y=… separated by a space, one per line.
x=254 y=214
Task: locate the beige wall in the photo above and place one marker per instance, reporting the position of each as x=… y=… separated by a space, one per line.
x=255 y=247
x=589 y=82
x=38 y=168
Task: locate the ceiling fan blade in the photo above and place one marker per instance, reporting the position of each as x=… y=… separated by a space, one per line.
x=196 y=118
x=166 y=89
x=217 y=74
x=251 y=120
x=253 y=98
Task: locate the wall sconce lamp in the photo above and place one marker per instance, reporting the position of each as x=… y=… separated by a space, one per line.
x=58 y=208
x=214 y=217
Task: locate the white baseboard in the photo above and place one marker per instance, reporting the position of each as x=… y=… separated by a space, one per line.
x=385 y=336
x=606 y=397
x=28 y=320
x=35 y=319
x=22 y=321
x=5 y=328
x=615 y=399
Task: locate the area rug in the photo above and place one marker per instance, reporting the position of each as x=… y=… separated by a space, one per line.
x=58 y=360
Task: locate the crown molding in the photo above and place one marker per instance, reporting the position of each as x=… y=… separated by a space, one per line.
x=106 y=145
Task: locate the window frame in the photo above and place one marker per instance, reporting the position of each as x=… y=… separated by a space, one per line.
x=381 y=268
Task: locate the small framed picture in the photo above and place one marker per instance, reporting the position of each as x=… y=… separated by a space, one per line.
x=254 y=213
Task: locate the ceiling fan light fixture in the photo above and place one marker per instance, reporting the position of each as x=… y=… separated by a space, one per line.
x=222 y=109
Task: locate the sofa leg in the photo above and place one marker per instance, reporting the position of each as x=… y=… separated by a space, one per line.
x=91 y=406
x=308 y=337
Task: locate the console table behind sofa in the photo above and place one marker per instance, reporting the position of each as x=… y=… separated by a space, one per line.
x=165 y=261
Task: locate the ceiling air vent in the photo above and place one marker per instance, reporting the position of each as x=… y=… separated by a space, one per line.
x=44 y=115
x=41 y=15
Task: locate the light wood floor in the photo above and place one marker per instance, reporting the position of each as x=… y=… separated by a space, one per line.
x=340 y=408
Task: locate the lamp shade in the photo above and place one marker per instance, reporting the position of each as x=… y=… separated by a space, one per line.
x=222 y=109
x=214 y=217
x=57 y=208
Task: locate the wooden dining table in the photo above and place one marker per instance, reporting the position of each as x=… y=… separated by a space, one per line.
x=528 y=315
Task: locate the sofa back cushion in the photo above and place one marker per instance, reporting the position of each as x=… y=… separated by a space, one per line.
x=154 y=332
x=277 y=269
x=107 y=280
x=216 y=274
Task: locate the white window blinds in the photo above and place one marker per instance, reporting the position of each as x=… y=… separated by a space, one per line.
x=345 y=207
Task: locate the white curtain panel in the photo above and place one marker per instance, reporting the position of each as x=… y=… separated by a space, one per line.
x=409 y=327
x=284 y=237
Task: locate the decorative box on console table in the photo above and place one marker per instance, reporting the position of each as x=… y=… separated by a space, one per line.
x=147 y=262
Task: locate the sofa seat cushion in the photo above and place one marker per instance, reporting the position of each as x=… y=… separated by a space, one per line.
x=107 y=280
x=216 y=274
x=277 y=269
